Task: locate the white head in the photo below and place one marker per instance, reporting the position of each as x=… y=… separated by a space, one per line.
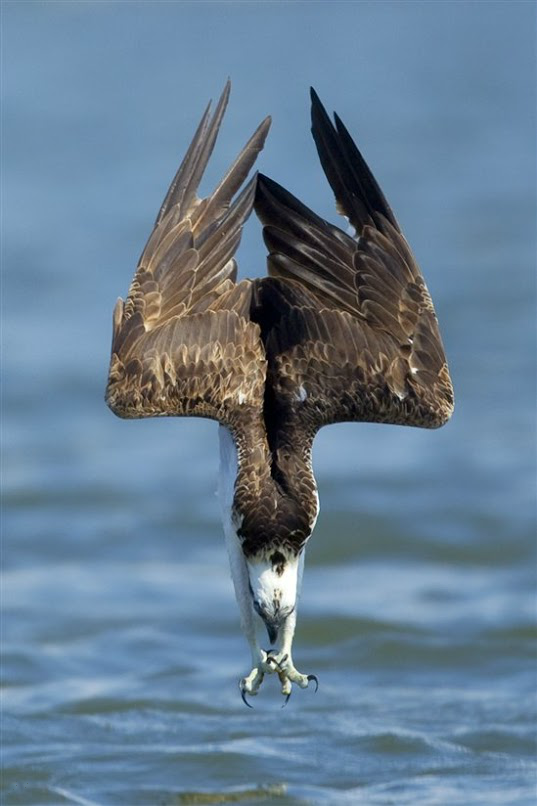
x=274 y=587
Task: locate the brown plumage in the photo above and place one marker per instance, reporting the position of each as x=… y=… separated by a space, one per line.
x=343 y=329
x=183 y=343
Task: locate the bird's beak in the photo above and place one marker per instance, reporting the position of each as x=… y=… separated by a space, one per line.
x=272 y=629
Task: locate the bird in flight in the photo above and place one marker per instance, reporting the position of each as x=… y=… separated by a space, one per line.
x=342 y=329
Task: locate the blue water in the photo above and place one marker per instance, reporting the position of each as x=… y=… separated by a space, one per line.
x=121 y=643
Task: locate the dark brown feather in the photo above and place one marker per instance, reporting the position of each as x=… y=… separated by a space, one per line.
x=369 y=348
x=342 y=329
x=183 y=341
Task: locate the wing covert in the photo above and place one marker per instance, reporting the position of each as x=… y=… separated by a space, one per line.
x=183 y=342
x=363 y=343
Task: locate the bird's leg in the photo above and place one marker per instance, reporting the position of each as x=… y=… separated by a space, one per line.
x=274 y=661
x=283 y=661
x=262 y=663
x=250 y=684
x=274 y=586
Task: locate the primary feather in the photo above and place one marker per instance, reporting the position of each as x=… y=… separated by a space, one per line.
x=342 y=329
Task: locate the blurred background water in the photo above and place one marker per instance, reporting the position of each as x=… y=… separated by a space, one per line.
x=121 y=641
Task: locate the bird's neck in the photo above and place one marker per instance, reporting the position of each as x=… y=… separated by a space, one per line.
x=292 y=469
x=244 y=466
x=267 y=498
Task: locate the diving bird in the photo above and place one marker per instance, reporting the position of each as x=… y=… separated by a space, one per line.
x=342 y=329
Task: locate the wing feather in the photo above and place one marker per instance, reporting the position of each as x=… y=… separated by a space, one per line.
x=363 y=341
x=183 y=342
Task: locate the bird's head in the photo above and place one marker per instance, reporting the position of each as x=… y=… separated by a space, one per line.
x=274 y=583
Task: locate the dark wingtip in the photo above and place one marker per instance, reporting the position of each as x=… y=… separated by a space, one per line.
x=342 y=130
x=317 y=105
x=266 y=188
x=264 y=182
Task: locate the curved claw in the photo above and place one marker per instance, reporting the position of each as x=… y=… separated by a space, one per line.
x=245 y=701
x=286 y=699
x=243 y=695
x=314 y=678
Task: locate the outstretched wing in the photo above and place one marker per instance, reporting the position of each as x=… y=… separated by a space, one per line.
x=183 y=342
x=354 y=333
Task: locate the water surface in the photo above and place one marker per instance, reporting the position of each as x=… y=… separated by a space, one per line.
x=122 y=649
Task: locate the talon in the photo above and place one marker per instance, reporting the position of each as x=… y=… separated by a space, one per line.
x=286 y=685
x=314 y=678
x=245 y=701
x=243 y=695
x=286 y=699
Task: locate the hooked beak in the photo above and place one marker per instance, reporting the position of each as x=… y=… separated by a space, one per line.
x=272 y=629
x=274 y=622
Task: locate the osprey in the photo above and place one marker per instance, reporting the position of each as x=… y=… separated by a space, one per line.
x=342 y=329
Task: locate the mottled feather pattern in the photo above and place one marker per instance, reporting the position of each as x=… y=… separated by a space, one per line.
x=183 y=341
x=342 y=329
x=202 y=365
x=370 y=349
